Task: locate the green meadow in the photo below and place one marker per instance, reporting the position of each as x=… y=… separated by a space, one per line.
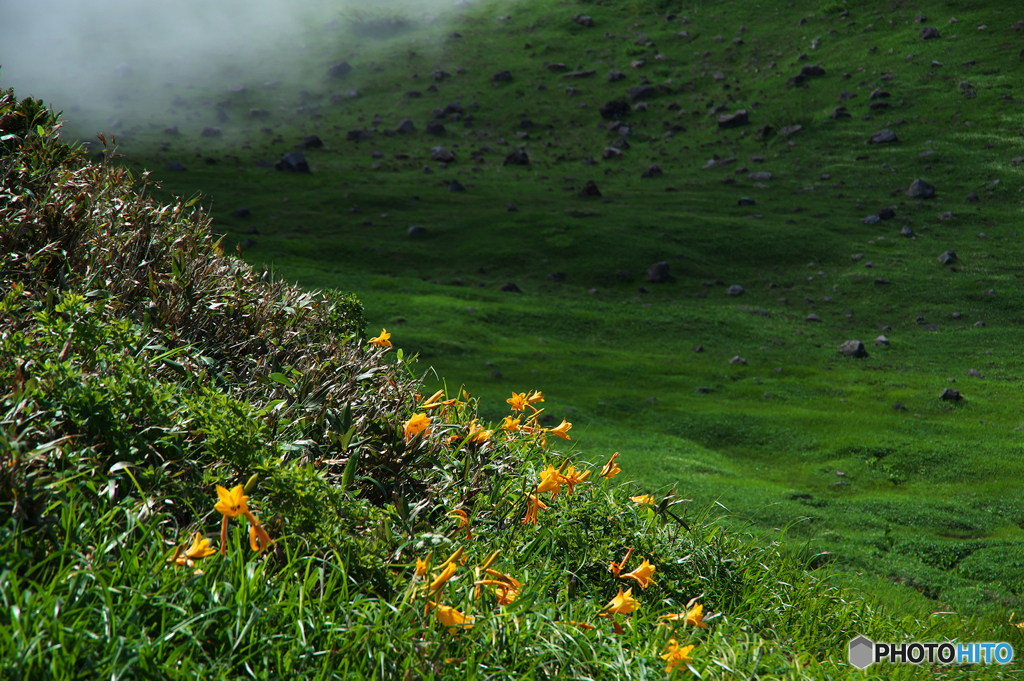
x=722 y=385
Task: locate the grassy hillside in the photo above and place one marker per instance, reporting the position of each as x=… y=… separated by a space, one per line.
x=907 y=496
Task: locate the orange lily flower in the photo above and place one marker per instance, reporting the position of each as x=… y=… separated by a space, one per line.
x=441 y=579
x=463 y=521
x=643 y=499
x=622 y=604
x=382 y=341
x=561 y=430
x=693 y=617
x=616 y=568
x=573 y=477
x=450 y=617
x=642 y=575
x=419 y=423
x=534 y=505
x=611 y=469
x=518 y=401
x=676 y=655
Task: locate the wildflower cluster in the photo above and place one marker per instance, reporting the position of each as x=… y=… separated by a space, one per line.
x=458 y=595
x=231 y=504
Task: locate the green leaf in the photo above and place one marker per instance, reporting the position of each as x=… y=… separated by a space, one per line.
x=350 y=470
x=278 y=377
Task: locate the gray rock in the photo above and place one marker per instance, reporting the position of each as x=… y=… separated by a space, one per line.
x=435 y=128
x=840 y=112
x=517 y=158
x=760 y=176
x=456 y=186
x=733 y=120
x=812 y=318
x=928 y=33
x=737 y=360
x=653 y=170
x=615 y=75
x=921 y=189
x=611 y=153
x=871 y=220
x=339 y=70
x=509 y=287
x=746 y=201
x=906 y=231
x=502 y=77
x=974 y=373
x=358 y=135
x=590 y=189
x=948 y=258
x=405 y=126
x=883 y=137
x=441 y=154
x=417 y=230
x=788 y=130
x=950 y=395
x=882 y=340
x=210 y=131
x=735 y=290
x=641 y=92
x=853 y=348
x=295 y=162
x=175 y=165
x=658 y=273
x=614 y=109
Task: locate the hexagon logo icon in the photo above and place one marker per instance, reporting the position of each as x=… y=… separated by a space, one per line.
x=862 y=652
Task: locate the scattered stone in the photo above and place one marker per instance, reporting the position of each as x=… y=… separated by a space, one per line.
x=733 y=120
x=509 y=287
x=175 y=165
x=311 y=142
x=210 y=131
x=886 y=213
x=906 y=231
x=339 y=70
x=358 y=135
x=764 y=132
x=881 y=282
x=948 y=258
x=735 y=290
x=737 y=360
x=950 y=395
x=698 y=348
x=615 y=75
x=746 y=201
x=898 y=407
x=614 y=109
x=641 y=92
x=611 y=153
x=241 y=212
x=812 y=318
x=511 y=208
x=704 y=390
x=590 y=189
x=441 y=154
x=295 y=162
x=586 y=22
x=871 y=220
x=456 y=186
x=883 y=137
x=417 y=230
x=435 y=128
x=518 y=157
x=974 y=373
x=979 y=325
x=658 y=273
x=882 y=340
x=653 y=170
x=853 y=348
x=501 y=77
x=928 y=33
x=919 y=189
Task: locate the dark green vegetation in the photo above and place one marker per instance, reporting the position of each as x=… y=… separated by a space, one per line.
x=933 y=501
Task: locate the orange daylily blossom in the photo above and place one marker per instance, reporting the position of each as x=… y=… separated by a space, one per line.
x=463 y=521
x=611 y=469
x=693 y=617
x=642 y=575
x=441 y=579
x=581 y=625
x=622 y=604
x=533 y=506
x=561 y=430
x=643 y=499
x=518 y=401
x=478 y=435
x=1019 y=625
x=419 y=423
x=573 y=477
x=450 y=617
x=505 y=588
x=676 y=655
x=616 y=568
x=421 y=567
x=232 y=504
x=550 y=481
x=510 y=424
x=382 y=341
x=200 y=548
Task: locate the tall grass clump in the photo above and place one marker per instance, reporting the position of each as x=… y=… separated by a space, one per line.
x=155 y=388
